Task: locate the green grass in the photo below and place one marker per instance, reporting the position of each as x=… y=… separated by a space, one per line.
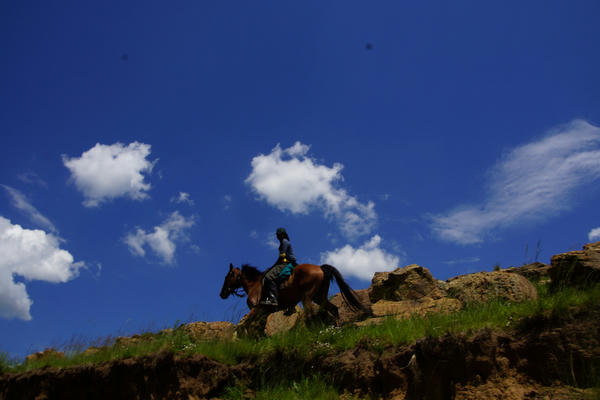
x=303 y=342
x=315 y=388
x=5 y=363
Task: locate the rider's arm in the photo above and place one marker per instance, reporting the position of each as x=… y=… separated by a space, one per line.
x=283 y=250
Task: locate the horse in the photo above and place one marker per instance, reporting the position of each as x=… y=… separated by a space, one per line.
x=308 y=283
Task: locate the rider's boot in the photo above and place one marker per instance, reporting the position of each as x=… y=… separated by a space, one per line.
x=271 y=293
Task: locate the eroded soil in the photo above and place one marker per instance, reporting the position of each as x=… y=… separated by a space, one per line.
x=546 y=358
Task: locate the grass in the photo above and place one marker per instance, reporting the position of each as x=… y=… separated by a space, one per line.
x=303 y=342
x=6 y=363
x=315 y=388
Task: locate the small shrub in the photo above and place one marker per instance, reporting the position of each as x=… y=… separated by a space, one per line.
x=5 y=362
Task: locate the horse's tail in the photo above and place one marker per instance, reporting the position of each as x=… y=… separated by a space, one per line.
x=347 y=293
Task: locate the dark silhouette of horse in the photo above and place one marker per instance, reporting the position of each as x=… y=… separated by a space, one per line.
x=308 y=283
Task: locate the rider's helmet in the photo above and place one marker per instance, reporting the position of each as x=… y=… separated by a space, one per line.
x=282 y=232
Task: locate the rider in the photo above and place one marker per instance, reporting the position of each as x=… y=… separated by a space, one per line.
x=281 y=270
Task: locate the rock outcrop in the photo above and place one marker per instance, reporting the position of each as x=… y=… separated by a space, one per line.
x=347 y=314
x=207 y=331
x=412 y=282
x=412 y=290
x=252 y=324
x=538 y=358
x=536 y=271
x=45 y=355
x=423 y=306
x=407 y=291
x=126 y=341
x=515 y=364
x=280 y=321
x=576 y=268
x=484 y=286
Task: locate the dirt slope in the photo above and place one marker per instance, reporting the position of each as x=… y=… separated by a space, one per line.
x=540 y=360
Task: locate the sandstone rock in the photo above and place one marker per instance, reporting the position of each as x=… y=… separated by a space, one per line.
x=443 y=286
x=261 y=322
x=126 y=341
x=252 y=324
x=346 y=313
x=405 y=292
x=279 y=322
x=406 y=308
x=576 y=267
x=409 y=283
x=90 y=351
x=534 y=272
x=45 y=355
x=484 y=286
x=206 y=331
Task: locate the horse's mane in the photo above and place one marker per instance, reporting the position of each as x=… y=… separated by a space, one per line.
x=251 y=272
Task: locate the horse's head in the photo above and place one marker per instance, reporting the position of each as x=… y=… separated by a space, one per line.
x=233 y=282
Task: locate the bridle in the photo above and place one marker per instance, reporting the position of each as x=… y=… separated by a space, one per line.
x=237 y=290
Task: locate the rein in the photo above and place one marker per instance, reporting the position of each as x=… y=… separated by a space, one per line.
x=237 y=291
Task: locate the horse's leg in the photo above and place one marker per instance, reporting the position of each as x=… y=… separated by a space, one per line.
x=315 y=292
x=321 y=299
x=331 y=309
x=308 y=307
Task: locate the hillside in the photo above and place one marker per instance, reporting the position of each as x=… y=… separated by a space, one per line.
x=490 y=335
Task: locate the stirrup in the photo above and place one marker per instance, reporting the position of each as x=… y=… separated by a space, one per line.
x=269 y=301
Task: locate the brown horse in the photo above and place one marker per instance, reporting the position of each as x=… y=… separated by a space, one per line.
x=308 y=283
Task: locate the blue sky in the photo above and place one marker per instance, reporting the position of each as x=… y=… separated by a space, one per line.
x=145 y=146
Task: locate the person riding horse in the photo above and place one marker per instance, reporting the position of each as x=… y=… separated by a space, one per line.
x=281 y=270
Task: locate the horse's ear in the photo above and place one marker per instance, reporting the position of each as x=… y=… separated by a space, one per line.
x=230 y=266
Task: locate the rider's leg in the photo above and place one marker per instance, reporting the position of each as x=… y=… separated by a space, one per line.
x=270 y=285
x=270 y=292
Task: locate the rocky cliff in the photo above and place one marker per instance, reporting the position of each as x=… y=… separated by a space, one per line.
x=546 y=357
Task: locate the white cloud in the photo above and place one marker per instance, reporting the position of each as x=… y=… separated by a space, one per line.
x=161 y=239
x=20 y=201
x=466 y=260
x=271 y=241
x=594 y=235
x=105 y=172
x=31 y=177
x=298 y=150
x=363 y=261
x=34 y=255
x=183 y=197
x=291 y=181
x=227 y=199
x=532 y=181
